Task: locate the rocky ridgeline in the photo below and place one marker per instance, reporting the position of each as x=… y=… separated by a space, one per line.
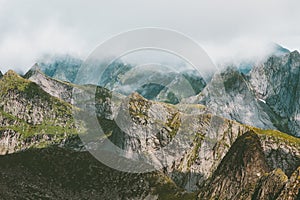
x=244 y=173
x=54 y=87
x=200 y=151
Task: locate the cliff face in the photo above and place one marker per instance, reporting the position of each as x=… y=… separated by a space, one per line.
x=240 y=169
x=292 y=187
x=30 y=117
x=277 y=82
x=56 y=88
x=246 y=173
x=193 y=148
x=270 y=185
x=229 y=94
x=267 y=97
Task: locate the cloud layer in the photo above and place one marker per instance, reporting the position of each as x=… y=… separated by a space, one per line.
x=225 y=29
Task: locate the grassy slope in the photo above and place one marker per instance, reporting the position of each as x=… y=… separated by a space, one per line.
x=31 y=91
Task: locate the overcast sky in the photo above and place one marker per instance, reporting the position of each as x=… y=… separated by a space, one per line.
x=225 y=29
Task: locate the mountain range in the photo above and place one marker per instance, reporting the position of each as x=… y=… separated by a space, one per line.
x=237 y=137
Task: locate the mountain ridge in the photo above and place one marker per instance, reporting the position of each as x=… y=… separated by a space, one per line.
x=199 y=144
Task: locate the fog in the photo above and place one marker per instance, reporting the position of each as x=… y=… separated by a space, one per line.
x=229 y=31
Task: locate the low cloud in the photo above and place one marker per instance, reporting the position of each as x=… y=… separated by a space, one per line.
x=20 y=50
x=227 y=30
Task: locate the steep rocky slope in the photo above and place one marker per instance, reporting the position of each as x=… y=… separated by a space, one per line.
x=267 y=97
x=189 y=147
x=292 y=188
x=277 y=83
x=230 y=95
x=270 y=185
x=244 y=173
x=30 y=116
x=192 y=148
x=239 y=170
x=155 y=83
x=56 y=88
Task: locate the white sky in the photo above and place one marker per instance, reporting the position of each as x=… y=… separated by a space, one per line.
x=225 y=29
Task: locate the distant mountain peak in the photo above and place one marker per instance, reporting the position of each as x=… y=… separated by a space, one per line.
x=35 y=69
x=295 y=54
x=62 y=67
x=279 y=50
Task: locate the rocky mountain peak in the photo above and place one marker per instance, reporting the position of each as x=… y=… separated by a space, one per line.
x=267 y=97
x=239 y=170
x=62 y=67
x=295 y=54
x=230 y=95
x=294 y=59
x=279 y=50
x=35 y=69
x=194 y=149
x=59 y=89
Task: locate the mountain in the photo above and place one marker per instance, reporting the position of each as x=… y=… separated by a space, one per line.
x=62 y=67
x=47 y=128
x=30 y=117
x=244 y=174
x=276 y=82
x=266 y=98
x=245 y=65
x=229 y=94
x=54 y=87
x=153 y=83
x=239 y=170
x=279 y=50
x=201 y=148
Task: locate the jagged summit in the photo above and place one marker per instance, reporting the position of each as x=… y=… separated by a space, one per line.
x=35 y=69
x=239 y=170
x=57 y=88
x=295 y=55
x=1 y=74
x=204 y=148
x=278 y=50
x=62 y=67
